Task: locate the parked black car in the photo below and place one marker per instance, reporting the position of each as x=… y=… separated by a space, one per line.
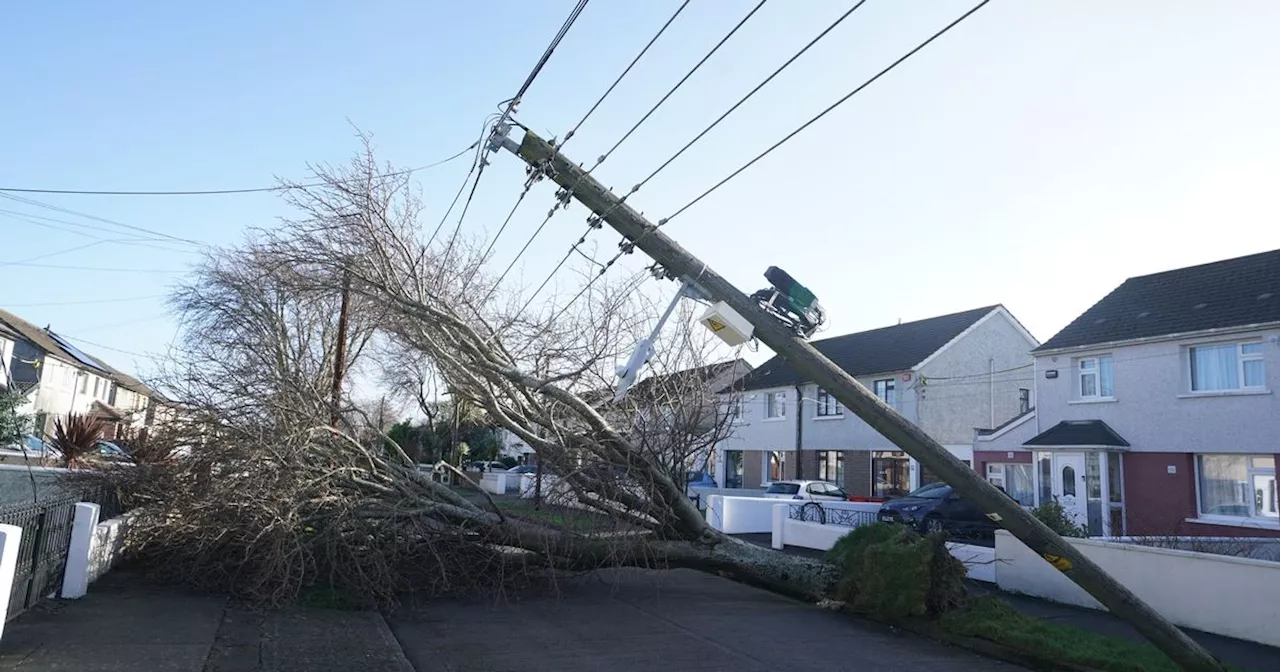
x=935 y=508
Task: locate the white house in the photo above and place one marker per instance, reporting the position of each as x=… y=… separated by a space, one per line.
x=946 y=374
x=1155 y=410
x=58 y=378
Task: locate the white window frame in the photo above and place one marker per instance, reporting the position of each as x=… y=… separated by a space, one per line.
x=775 y=401
x=736 y=411
x=1096 y=374
x=1241 y=358
x=996 y=475
x=889 y=386
x=1251 y=472
x=827 y=407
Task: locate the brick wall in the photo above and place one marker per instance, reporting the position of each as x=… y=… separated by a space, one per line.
x=857 y=473
x=1159 y=503
x=981 y=458
x=751 y=468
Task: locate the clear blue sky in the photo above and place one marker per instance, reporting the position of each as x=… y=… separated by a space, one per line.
x=1036 y=156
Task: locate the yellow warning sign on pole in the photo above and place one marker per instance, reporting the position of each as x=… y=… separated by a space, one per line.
x=715 y=326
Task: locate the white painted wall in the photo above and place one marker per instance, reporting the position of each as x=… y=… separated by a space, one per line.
x=1153 y=409
x=1235 y=597
x=978 y=560
x=740 y=515
x=10 y=543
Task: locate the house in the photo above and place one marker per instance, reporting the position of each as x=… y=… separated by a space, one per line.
x=1155 y=410
x=59 y=378
x=946 y=374
x=679 y=417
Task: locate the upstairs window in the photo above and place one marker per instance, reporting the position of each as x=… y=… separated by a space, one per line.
x=1227 y=366
x=884 y=390
x=775 y=405
x=1024 y=400
x=828 y=406
x=1096 y=378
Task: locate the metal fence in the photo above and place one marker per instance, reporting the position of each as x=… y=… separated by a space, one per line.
x=46 y=538
x=814 y=512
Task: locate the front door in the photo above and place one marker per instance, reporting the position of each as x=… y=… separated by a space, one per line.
x=1068 y=485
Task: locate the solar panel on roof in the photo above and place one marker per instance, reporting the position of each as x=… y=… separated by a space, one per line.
x=76 y=352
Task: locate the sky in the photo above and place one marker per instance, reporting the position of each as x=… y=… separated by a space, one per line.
x=1036 y=155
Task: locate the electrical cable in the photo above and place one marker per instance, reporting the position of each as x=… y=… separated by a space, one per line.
x=546 y=56
x=96 y=268
x=751 y=93
x=617 y=81
x=601 y=159
x=86 y=303
x=680 y=83
x=833 y=106
x=627 y=247
x=104 y=220
x=218 y=192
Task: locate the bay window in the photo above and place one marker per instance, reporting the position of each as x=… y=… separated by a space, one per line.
x=775 y=466
x=831 y=466
x=890 y=473
x=1014 y=479
x=1238 y=486
x=1226 y=366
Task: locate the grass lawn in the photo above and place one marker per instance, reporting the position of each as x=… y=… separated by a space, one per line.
x=558 y=516
x=992 y=619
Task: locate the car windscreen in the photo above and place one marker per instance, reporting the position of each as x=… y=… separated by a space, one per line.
x=783 y=489
x=932 y=491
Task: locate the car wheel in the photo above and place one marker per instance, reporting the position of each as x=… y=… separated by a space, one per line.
x=933 y=525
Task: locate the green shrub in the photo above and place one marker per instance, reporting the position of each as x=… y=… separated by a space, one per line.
x=1055 y=517
x=889 y=571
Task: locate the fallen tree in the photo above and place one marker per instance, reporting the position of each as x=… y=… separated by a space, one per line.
x=272 y=499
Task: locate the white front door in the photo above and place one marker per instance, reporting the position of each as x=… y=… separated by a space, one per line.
x=1068 y=485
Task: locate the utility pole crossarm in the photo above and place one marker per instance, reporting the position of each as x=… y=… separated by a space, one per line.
x=816 y=368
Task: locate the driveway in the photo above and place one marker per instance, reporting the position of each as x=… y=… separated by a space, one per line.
x=632 y=620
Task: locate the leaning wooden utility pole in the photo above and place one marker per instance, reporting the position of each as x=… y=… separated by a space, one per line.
x=818 y=369
x=340 y=353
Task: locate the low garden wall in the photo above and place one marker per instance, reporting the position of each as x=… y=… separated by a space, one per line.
x=1235 y=597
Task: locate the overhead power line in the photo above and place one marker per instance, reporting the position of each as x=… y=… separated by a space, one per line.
x=593 y=222
x=218 y=192
x=88 y=302
x=104 y=220
x=631 y=65
x=96 y=268
x=833 y=106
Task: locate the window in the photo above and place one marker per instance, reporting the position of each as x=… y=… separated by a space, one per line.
x=733 y=469
x=1068 y=481
x=1095 y=377
x=1014 y=479
x=890 y=473
x=1024 y=400
x=828 y=406
x=884 y=390
x=775 y=405
x=831 y=466
x=1046 y=476
x=84 y=382
x=735 y=410
x=1242 y=486
x=1227 y=366
x=775 y=465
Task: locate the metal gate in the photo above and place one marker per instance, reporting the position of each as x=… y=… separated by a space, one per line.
x=46 y=539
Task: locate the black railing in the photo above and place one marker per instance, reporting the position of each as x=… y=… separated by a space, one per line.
x=46 y=538
x=815 y=512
